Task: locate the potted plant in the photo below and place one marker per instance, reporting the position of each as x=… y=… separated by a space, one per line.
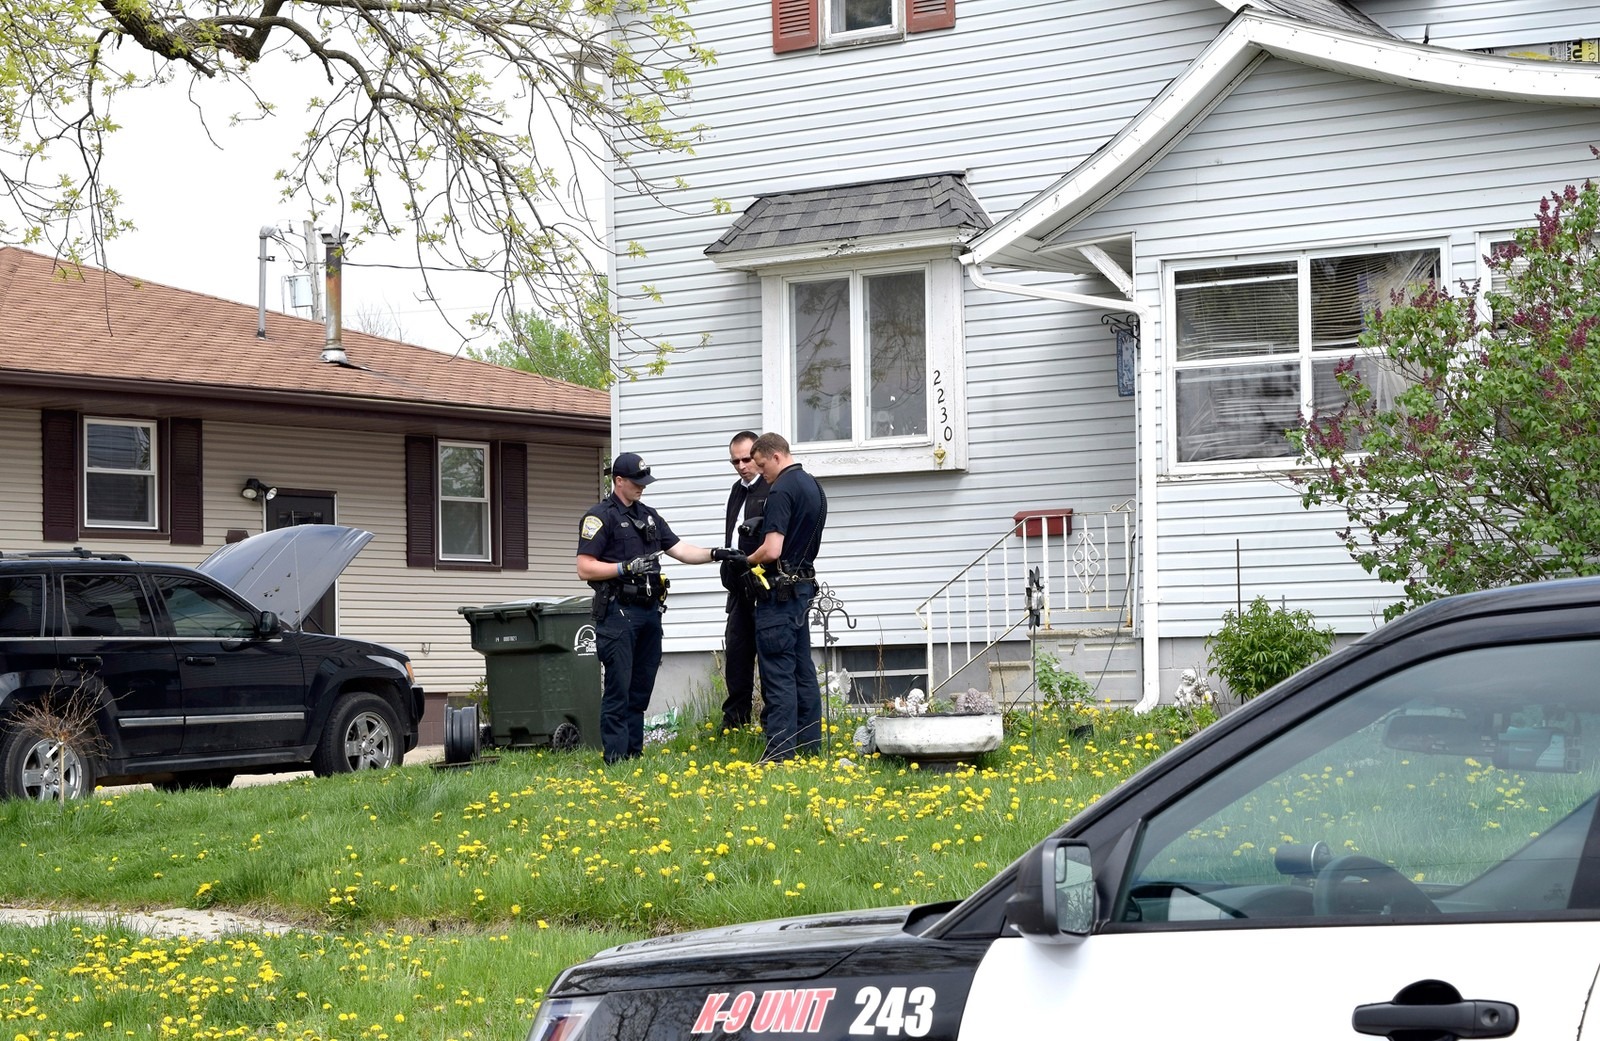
x=918 y=728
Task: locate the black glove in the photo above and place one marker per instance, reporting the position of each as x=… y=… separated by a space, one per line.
x=732 y=556
x=644 y=565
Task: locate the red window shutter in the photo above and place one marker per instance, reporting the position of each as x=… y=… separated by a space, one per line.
x=58 y=439
x=421 y=539
x=184 y=473
x=514 y=506
x=922 y=15
x=796 y=25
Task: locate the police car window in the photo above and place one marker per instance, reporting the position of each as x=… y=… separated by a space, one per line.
x=197 y=610
x=1465 y=785
x=106 y=606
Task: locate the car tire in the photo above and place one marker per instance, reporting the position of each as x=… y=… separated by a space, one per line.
x=35 y=765
x=195 y=780
x=363 y=733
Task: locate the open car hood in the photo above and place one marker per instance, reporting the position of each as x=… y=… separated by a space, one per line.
x=286 y=570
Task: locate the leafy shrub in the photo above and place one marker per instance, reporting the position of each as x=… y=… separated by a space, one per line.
x=1264 y=645
x=1058 y=687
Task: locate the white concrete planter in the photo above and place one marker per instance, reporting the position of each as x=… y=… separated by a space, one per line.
x=937 y=736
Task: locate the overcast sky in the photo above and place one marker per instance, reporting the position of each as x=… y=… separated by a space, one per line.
x=200 y=209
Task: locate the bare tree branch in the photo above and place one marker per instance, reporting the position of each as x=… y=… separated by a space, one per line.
x=439 y=122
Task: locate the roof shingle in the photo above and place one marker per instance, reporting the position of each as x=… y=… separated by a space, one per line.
x=57 y=320
x=903 y=205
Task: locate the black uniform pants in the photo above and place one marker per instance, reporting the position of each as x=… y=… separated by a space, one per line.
x=628 y=642
x=740 y=665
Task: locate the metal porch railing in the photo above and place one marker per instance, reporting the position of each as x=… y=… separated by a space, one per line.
x=1082 y=570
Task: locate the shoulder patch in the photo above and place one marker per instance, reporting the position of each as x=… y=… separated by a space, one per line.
x=591 y=526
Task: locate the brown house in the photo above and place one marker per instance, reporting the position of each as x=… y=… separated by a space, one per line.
x=147 y=419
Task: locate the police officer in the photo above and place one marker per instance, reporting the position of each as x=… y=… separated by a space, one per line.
x=620 y=542
x=741 y=531
x=791 y=527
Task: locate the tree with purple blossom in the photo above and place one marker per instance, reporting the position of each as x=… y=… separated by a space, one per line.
x=1485 y=469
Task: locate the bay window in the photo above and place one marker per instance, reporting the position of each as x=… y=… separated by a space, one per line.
x=862 y=364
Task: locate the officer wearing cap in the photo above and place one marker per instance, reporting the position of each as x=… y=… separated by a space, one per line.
x=620 y=542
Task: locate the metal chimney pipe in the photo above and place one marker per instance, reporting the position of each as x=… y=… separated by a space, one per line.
x=267 y=232
x=333 y=346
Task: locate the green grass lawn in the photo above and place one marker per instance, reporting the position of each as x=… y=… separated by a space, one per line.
x=438 y=903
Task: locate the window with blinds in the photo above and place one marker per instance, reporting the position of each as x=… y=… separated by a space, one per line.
x=1257 y=345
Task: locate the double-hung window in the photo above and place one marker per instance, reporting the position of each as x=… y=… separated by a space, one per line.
x=464 y=518
x=1256 y=346
x=119 y=473
x=862 y=365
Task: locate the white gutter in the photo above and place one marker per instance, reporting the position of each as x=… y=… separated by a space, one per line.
x=1145 y=461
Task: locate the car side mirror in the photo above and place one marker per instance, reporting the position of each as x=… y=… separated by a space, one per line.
x=1054 y=897
x=269 y=625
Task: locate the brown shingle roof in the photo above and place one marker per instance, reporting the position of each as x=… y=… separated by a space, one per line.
x=73 y=323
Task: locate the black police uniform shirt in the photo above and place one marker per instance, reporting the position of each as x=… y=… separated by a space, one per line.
x=797 y=508
x=615 y=533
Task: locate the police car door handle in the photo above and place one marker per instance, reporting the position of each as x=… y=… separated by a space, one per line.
x=1448 y=1019
x=85 y=661
x=199 y=659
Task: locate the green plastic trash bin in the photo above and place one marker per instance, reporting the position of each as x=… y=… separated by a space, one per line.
x=543 y=676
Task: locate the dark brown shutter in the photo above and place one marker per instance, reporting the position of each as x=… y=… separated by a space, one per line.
x=184 y=481
x=58 y=480
x=796 y=25
x=421 y=541
x=514 y=506
x=922 y=15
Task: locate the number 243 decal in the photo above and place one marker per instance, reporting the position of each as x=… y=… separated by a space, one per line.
x=899 y=1010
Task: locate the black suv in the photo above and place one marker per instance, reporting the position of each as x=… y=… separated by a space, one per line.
x=119 y=671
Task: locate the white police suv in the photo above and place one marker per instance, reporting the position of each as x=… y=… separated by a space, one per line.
x=1400 y=842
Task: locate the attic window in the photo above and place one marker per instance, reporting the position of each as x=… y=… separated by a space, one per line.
x=856 y=21
x=801 y=25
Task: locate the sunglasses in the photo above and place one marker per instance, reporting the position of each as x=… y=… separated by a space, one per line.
x=737 y=460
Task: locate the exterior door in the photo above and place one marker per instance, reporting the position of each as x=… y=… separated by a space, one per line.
x=287 y=509
x=110 y=640
x=1426 y=840
x=240 y=693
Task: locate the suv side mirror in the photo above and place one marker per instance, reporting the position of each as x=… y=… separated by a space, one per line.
x=269 y=625
x=1054 y=897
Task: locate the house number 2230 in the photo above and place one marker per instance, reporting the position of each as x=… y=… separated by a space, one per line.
x=942 y=407
x=899 y=1010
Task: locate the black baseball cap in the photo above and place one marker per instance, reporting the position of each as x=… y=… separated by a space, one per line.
x=629 y=465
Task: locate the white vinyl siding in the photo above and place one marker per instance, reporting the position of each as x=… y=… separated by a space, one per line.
x=1484 y=24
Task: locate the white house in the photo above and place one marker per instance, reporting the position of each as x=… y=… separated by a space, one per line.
x=941 y=211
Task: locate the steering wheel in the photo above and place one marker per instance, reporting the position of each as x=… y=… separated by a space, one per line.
x=1391 y=891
